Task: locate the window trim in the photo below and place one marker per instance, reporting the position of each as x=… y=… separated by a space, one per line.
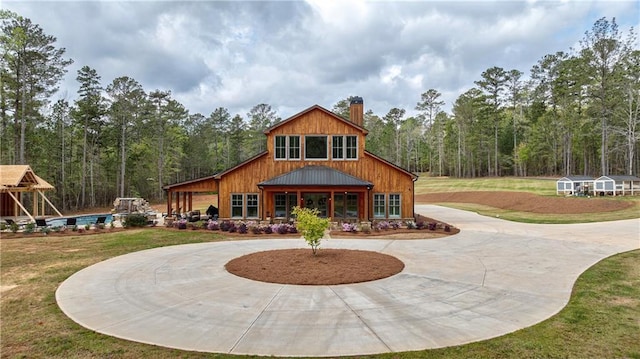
x=276 y=148
x=344 y=148
x=242 y=203
x=257 y=206
x=399 y=215
x=384 y=205
x=289 y=147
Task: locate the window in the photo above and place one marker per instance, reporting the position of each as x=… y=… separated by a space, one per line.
x=344 y=147
x=379 y=206
x=252 y=205
x=236 y=205
x=284 y=203
x=315 y=147
x=345 y=205
x=287 y=147
x=394 y=205
x=281 y=147
x=352 y=147
x=294 y=147
x=338 y=147
x=338 y=206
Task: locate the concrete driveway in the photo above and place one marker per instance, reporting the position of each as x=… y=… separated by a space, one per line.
x=493 y=278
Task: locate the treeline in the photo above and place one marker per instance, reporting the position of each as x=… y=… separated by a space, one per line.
x=576 y=113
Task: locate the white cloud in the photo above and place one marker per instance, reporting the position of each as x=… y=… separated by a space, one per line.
x=292 y=55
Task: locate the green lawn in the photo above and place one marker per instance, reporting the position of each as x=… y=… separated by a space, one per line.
x=601 y=320
x=540 y=186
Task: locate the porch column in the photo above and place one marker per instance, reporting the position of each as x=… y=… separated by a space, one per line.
x=184 y=202
x=169 y=199
x=34 y=210
x=190 y=201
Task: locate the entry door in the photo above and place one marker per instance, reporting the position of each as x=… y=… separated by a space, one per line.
x=316 y=200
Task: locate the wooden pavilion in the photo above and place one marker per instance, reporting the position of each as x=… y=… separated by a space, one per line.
x=16 y=183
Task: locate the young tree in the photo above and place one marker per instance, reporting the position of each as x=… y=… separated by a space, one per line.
x=311 y=225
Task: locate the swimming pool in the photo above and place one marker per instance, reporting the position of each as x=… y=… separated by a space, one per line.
x=80 y=220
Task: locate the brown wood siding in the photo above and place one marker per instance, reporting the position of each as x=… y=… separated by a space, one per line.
x=245 y=178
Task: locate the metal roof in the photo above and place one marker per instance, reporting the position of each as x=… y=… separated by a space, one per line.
x=619 y=178
x=576 y=178
x=315 y=176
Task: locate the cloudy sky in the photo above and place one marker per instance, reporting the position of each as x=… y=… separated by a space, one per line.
x=295 y=54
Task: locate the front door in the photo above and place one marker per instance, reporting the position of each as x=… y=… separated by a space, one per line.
x=316 y=200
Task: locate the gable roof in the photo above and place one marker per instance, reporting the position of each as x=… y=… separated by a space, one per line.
x=315 y=176
x=21 y=177
x=576 y=178
x=314 y=108
x=618 y=178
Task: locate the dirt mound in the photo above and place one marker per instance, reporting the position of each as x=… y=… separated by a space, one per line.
x=528 y=202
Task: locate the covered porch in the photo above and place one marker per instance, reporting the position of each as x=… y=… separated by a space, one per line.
x=180 y=195
x=334 y=194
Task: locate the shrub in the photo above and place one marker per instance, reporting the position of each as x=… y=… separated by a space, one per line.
x=394 y=225
x=411 y=225
x=255 y=229
x=432 y=226
x=225 y=226
x=13 y=227
x=447 y=228
x=420 y=225
x=213 y=225
x=181 y=224
x=382 y=225
x=87 y=226
x=45 y=230
x=267 y=230
x=232 y=227
x=349 y=227
x=29 y=228
x=135 y=220
x=291 y=228
x=242 y=228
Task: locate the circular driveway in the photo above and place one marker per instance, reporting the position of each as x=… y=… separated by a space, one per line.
x=492 y=278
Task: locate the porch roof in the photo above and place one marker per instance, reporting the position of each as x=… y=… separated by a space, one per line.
x=316 y=176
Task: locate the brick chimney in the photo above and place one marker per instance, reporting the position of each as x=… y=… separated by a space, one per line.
x=356 y=111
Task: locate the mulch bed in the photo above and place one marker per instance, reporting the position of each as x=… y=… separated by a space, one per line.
x=327 y=267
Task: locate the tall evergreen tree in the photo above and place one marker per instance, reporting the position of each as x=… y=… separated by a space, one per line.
x=30 y=70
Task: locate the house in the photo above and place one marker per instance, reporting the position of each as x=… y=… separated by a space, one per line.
x=573 y=185
x=617 y=185
x=313 y=159
x=19 y=183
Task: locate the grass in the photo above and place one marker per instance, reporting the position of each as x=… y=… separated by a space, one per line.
x=601 y=320
x=539 y=186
